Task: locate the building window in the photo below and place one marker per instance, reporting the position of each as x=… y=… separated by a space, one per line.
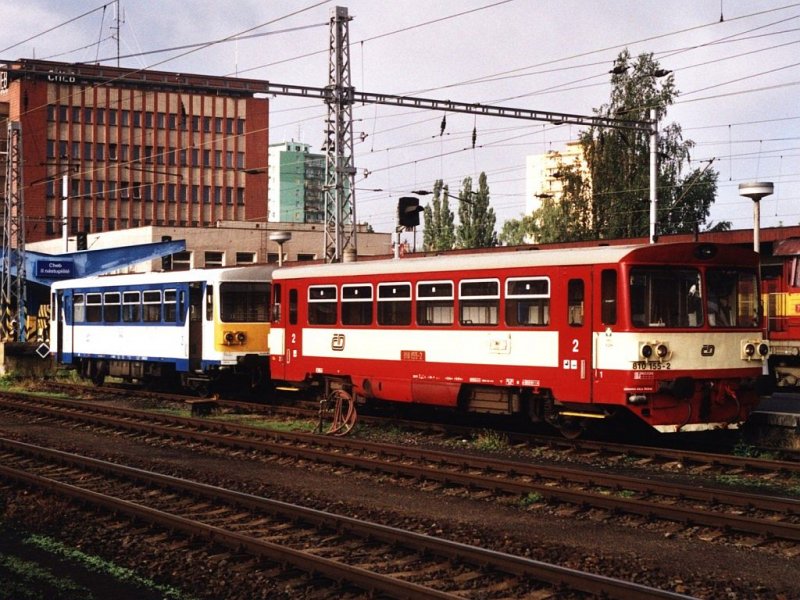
x=181 y=261
x=214 y=259
x=245 y=258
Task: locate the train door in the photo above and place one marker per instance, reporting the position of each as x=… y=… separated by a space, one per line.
x=284 y=333
x=60 y=315
x=575 y=339
x=195 y=325
x=293 y=343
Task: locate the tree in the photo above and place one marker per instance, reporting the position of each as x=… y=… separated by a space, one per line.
x=439 y=231
x=476 y=216
x=515 y=231
x=568 y=218
x=618 y=168
x=618 y=159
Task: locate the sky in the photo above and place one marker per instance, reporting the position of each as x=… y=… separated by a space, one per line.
x=735 y=63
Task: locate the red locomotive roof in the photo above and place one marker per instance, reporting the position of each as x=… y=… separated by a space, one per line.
x=677 y=253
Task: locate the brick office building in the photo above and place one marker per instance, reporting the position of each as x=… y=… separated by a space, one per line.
x=138 y=148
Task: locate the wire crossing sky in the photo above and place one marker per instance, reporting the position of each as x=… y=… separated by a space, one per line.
x=734 y=62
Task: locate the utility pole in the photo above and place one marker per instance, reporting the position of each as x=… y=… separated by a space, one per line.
x=340 y=212
x=14 y=273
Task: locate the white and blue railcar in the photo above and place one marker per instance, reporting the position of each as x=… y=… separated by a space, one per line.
x=204 y=329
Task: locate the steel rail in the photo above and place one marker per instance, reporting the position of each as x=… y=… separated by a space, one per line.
x=274 y=442
x=510 y=564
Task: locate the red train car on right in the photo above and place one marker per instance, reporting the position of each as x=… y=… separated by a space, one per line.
x=781 y=299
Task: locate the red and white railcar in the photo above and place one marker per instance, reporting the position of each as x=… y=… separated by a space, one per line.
x=670 y=333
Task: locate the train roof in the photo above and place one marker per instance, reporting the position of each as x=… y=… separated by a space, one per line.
x=672 y=253
x=238 y=273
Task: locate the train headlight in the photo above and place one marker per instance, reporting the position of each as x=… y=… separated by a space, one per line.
x=755 y=350
x=229 y=337
x=655 y=351
x=241 y=337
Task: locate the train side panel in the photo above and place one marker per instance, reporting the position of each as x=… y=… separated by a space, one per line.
x=667 y=333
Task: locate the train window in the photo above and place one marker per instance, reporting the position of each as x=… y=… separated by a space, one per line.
x=151 y=306
x=575 y=302
x=293 y=307
x=357 y=304
x=322 y=305
x=276 y=302
x=435 y=303
x=528 y=302
x=394 y=304
x=665 y=297
x=131 y=307
x=608 y=297
x=209 y=302
x=244 y=302
x=170 y=306
x=732 y=298
x=94 y=308
x=111 y=307
x=478 y=301
x=78 y=308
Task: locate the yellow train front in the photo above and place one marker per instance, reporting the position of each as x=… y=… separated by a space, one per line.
x=205 y=329
x=668 y=333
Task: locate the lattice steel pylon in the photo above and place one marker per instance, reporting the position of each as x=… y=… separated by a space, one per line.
x=13 y=289
x=340 y=206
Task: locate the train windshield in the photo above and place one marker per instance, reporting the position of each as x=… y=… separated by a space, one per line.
x=732 y=298
x=665 y=297
x=244 y=302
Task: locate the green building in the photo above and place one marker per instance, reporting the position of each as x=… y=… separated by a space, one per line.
x=296 y=179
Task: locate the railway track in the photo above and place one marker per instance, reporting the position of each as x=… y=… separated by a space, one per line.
x=764 y=518
x=350 y=552
x=657 y=454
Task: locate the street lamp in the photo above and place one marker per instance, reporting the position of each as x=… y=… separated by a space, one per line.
x=756 y=190
x=280 y=237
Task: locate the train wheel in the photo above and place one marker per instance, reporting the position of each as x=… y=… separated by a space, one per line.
x=338 y=411
x=570 y=428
